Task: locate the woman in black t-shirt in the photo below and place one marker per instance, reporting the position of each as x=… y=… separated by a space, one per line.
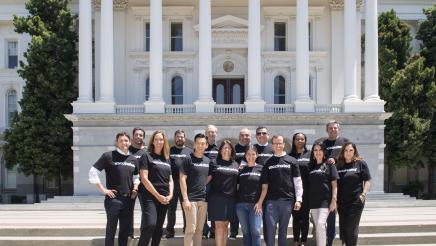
x=251 y=194
x=322 y=190
x=221 y=198
x=353 y=186
x=121 y=187
x=300 y=218
x=156 y=189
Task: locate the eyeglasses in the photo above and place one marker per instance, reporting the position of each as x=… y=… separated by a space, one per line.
x=261 y=133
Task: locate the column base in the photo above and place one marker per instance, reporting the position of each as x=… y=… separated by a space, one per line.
x=304 y=106
x=204 y=106
x=254 y=106
x=358 y=106
x=99 y=107
x=154 y=107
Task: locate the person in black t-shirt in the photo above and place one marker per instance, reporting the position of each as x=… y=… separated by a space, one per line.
x=300 y=218
x=322 y=190
x=264 y=149
x=178 y=153
x=156 y=189
x=221 y=198
x=121 y=186
x=333 y=144
x=285 y=191
x=194 y=174
x=353 y=186
x=137 y=149
x=211 y=152
x=251 y=194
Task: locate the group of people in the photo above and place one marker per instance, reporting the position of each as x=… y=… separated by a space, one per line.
x=246 y=184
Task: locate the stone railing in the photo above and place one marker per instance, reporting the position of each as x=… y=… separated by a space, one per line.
x=279 y=108
x=328 y=108
x=179 y=108
x=130 y=109
x=229 y=108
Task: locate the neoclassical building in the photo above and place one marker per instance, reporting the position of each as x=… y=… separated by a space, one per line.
x=291 y=65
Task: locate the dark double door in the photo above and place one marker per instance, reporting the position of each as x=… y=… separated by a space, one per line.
x=228 y=91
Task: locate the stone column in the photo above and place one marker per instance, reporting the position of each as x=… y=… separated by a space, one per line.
x=205 y=104
x=254 y=102
x=155 y=103
x=106 y=101
x=337 y=52
x=303 y=102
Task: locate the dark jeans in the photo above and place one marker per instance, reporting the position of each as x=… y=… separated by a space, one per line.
x=277 y=212
x=331 y=228
x=349 y=219
x=250 y=223
x=117 y=208
x=300 y=223
x=172 y=207
x=153 y=217
x=132 y=211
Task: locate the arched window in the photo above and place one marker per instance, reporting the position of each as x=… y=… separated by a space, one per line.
x=147 y=89
x=11 y=104
x=177 y=90
x=279 y=90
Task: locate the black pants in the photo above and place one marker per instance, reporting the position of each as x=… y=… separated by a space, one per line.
x=349 y=219
x=234 y=226
x=132 y=210
x=300 y=223
x=152 y=220
x=117 y=208
x=331 y=228
x=172 y=207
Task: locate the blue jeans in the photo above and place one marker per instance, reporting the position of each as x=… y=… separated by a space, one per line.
x=277 y=212
x=331 y=228
x=250 y=223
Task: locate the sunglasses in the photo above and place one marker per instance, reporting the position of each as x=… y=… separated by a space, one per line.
x=261 y=133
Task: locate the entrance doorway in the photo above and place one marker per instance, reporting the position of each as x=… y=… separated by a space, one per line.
x=228 y=91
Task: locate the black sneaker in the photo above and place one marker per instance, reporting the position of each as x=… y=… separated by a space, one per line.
x=232 y=237
x=212 y=235
x=169 y=235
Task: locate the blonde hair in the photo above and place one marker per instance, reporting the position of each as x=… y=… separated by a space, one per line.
x=165 y=152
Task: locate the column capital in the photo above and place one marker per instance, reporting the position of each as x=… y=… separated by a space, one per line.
x=118 y=4
x=336 y=4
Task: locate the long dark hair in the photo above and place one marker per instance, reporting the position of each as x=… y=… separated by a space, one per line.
x=233 y=152
x=294 y=148
x=341 y=159
x=312 y=162
x=165 y=152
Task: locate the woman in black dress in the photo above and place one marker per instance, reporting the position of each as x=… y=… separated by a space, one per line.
x=156 y=189
x=221 y=199
x=300 y=218
x=353 y=185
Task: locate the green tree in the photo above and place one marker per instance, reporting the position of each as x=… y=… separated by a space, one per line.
x=427 y=34
x=40 y=138
x=394 y=50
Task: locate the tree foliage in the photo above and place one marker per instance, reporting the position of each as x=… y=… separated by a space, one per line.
x=40 y=137
x=427 y=34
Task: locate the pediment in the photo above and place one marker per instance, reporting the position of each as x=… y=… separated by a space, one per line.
x=228 y=22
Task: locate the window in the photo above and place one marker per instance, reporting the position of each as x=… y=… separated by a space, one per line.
x=310 y=37
x=11 y=178
x=279 y=90
x=147 y=36
x=12 y=54
x=176 y=37
x=177 y=90
x=311 y=87
x=147 y=89
x=11 y=104
x=279 y=36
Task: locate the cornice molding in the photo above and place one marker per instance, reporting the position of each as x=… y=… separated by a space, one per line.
x=118 y=4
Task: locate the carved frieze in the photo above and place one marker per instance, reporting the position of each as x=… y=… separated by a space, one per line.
x=118 y=4
x=339 y=4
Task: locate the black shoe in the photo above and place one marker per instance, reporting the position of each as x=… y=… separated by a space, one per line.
x=212 y=235
x=169 y=235
x=232 y=237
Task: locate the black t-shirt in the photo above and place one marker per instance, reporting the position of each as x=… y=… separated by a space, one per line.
x=159 y=172
x=196 y=170
x=212 y=151
x=303 y=160
x=240 y=152
x=138 y=153
x=250 y=182
x=224 y=177
x=177 y=156
x=320 y=184
x=280 y=173
x=119 y=170
x=334 y=147
x=263 y=153
x=351 y=178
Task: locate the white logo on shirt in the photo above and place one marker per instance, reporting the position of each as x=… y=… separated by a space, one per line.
x=265 y=155
x=317 y=171
x=250 y=174
x=348 y=170
x=228 y=169
x=303 y=159
x=124 y=164
x=211 y=152
x=280 y=166
x=200 y=165
x=335 y=147
x=240 y=154
x=161 y=163
x=137 y=156
x=178 y=155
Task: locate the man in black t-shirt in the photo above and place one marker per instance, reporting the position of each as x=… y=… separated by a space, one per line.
x=194 y=174
x=333 y=145
x=178 y=153
x=264 y=149
x=211 y=152
x=285 y=191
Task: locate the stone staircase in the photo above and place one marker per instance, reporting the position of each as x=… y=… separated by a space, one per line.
x=388 y=219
